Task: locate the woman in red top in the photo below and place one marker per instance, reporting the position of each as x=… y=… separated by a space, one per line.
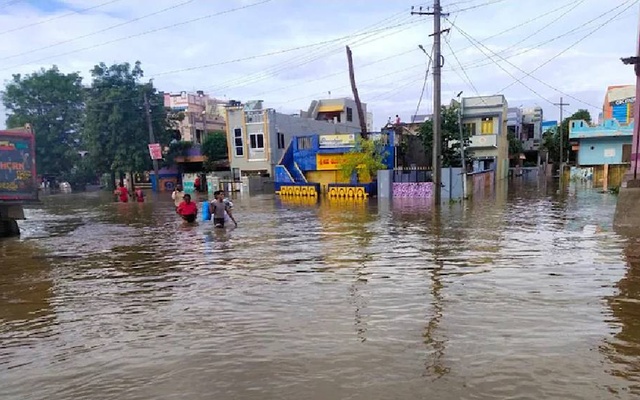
x=122 y=193
x=187 y=209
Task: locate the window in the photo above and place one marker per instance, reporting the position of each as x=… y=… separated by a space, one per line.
x=304 y=143
x=349 y=114
x=237 y=142
x=256 y=141
x=487 y=126
x=281 y=144
x=471 y=128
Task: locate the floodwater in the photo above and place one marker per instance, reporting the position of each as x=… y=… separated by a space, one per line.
x=525 y=295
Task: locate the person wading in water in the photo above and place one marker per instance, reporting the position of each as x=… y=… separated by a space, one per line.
x=187 y=209
x=219 y=208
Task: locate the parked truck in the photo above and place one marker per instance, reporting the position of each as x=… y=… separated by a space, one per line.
x=18 y=180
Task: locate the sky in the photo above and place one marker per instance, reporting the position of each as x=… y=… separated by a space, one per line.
x=289 y=52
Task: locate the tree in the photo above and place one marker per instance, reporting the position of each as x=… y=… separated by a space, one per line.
x=214 y=148
x=450 y=138
x=515 y=145
x=52 y=102
x=116 y=130
x=365 y=159
x=551 y=138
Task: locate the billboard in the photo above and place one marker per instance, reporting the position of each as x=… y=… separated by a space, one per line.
x=329 y=162
x=17 y=166
x=339 y=140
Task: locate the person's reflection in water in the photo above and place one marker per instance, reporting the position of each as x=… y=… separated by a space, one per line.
x=624 y=348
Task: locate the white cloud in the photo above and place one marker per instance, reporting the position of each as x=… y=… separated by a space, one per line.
x=288 y=81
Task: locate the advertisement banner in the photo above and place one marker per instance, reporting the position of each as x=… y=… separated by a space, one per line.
x=329 y=162
x=339 y=140
x=17 y=167
x=155 y=151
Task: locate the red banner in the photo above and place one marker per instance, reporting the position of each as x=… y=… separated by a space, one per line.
x=155 y=151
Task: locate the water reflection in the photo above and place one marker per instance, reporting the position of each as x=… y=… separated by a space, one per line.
x=623 y=349
x=496 y=298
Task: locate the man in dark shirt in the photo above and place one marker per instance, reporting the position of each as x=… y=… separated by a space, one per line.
x=187 y=209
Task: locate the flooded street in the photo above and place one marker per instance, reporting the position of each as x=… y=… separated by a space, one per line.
x=518 y=296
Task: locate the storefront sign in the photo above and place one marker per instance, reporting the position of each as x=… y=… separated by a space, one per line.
x=155 y=151
x=329 y=162
x=340 y=140
x=620 y=102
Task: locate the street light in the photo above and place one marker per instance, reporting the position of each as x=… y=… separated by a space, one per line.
x=462 y=157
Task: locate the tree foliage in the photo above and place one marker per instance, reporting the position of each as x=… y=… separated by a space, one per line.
x=52 y=102
x=515 y=144
x=365 y=159
x=116 y=130
x=450 y=144
x=214 y=148
x=551 y=138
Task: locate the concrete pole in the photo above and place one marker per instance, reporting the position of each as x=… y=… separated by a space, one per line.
x=437 y=99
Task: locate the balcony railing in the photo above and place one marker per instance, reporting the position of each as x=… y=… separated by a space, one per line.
x=484 y=141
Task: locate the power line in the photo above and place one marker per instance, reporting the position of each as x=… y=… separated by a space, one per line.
x=473 y=41
x=455 y=56
x=272 y=53
x=58 y=17
x=98 y=31
x=479 y=62
x=426 y=78
x=145 y=33
x=490 y=3
x=319 y=53
x=529 y=74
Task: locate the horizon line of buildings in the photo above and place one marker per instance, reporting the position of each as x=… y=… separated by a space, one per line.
x=257 y=136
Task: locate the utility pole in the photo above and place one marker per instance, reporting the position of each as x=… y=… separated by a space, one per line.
x=152 y=138
x=352 y=77
x=437 y=98
x=561 y=105
x=464 y=162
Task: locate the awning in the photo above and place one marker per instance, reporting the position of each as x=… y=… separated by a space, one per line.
x=331 y=108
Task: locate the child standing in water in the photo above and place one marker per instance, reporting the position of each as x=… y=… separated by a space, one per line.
x=218 y=209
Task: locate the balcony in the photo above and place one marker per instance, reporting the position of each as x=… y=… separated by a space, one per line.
x=484 y=142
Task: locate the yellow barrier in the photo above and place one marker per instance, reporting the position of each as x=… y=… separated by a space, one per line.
x=298 y=191
x=350 y=192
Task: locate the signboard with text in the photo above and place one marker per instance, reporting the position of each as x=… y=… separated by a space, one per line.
x=17 y=166
x=339 y=140
x=155 y=151
x=329 y=162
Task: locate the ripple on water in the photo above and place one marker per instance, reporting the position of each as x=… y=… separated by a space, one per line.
x=506 y=298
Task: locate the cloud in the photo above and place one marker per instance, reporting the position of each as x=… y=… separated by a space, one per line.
x=174 y=45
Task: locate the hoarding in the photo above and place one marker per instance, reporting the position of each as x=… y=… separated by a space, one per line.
x=155 y=151
x=329 y=162
x=17 y=166
x=339 y=140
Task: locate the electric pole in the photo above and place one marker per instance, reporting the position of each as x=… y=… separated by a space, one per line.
x=436 y=162
x=152 y=138
x=561 y=105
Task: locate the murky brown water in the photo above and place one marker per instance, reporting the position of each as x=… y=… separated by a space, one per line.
x=509 y=298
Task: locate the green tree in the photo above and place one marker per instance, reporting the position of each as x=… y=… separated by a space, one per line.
x=551 y=138
x=116 y=130
x=450 y=144
x=365 y=159
x=214 y=148
x=515 y=144
x=52 y=102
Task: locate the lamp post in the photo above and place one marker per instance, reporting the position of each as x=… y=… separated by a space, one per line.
x=462 y=156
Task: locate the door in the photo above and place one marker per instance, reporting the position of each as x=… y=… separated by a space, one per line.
x=626 y=153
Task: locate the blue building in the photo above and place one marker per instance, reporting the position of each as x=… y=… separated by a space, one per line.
x=311 y=164
x=549 y=125
x=606 y=143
